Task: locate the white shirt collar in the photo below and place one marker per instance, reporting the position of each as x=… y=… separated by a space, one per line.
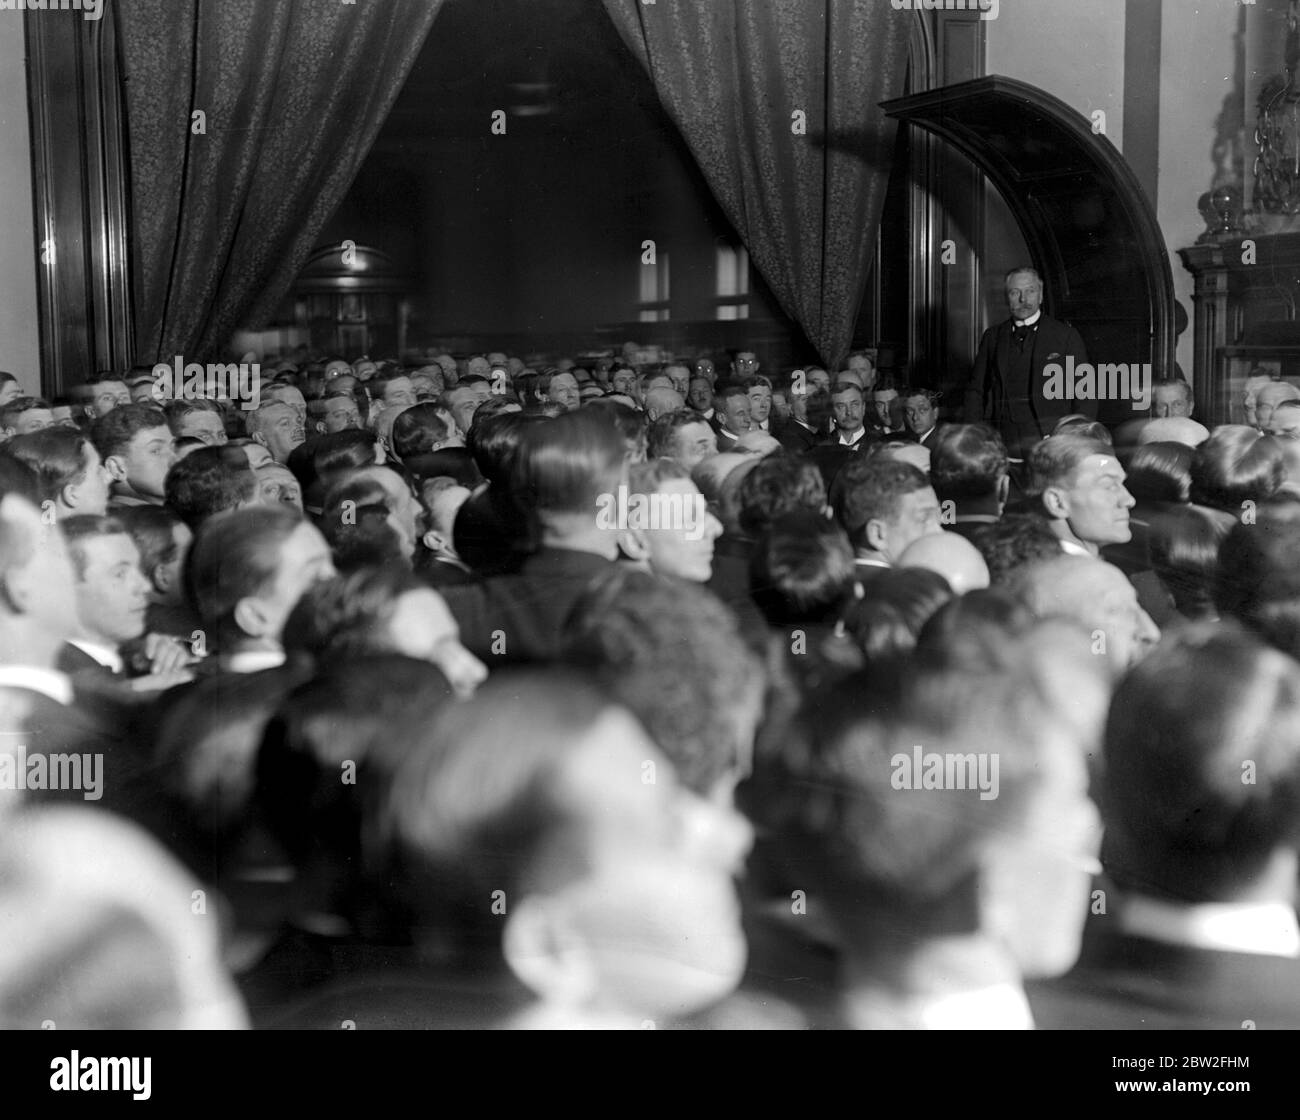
x=107 y=656
x=254 y=660
x=1032 y=320
x=48 y=682
x=857 y=438
x=1073 y=548
x=1266 y=928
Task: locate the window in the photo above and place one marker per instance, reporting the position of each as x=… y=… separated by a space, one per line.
x=732 y=289
x=653 y=299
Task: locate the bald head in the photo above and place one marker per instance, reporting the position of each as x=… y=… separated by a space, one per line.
x=1173 y=429
x=660 y=401
x=952 y=556
x=912 y=453
x=1096 y=595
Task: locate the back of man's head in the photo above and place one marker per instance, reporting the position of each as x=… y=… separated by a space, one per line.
x=207 y=481
x=872 y=489
x=967 y=461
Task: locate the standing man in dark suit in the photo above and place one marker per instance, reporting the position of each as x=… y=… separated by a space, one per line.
x=1006 y=387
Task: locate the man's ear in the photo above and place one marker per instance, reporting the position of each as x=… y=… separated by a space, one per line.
x=250 y=617
x=1056 y=503
x=116 y=466
x=434 y=541
x=258 y=437
x=547 y=954
x=633 y=544
x=161 y=577
x=320 y=427
x=876 y=535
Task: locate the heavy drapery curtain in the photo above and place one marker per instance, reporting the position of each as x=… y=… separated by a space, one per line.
x=227 y=206
x=732 y=74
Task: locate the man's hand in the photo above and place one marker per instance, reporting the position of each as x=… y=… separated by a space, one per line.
x=167 y=654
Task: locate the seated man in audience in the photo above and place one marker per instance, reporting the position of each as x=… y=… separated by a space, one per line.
x=1171 y=397
x=848 y=411
x=810 y=418
x=943 y=837
x=276 y=483
x=437 y=562
x=760 y=404
x=285 y=393
x=699 y=397
x=1077 y=484
x=589 y=865
x=68 y=471
x=1202 y=768
x=337 y=413
x=669 y=530
x=111 y=596
x=164 y=541
x=209 y=481
x=1269 y=397
x=421 y=430
x=1237 y=469
x=106 y=394
x=198 y=418
x=731 y=418
x=389 y=391
x=883 y=506
x=661 y=402
x=968 y=469
x=683 y=437
x=562 y=389
x=1098 y=597
x=23 y=416
x=245 y=572
x=1013 y=542
x=921 y=416
x=277 y=428
x=135 y=444
x=560 y=470
x=464 y=400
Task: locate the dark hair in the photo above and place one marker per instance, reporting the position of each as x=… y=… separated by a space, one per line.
x=778 y=485
x=112 y=434
x=339 y=452
x=563 y=466
x=56 y=455
x=1160 y=472
x=176 y=411
x=1184 y=724
x=379 y=382
x=1054 y=460
x=153 y=530
x=1258 y=579
x=493 y=442
x=207 y=481
x=16 y=407
x=967 y=461
x=16 y=477
x=348 y=616
x=1184 y=545
x=630 y=423
x=801 y=571
x=354 y=520
x=235 y=554
x=1236 y=465
x=872 y=489
x=661 y=440
x=1012 y=543
x=1078 y=425
x=417 y=429
x=895 y=605
x=673 y=654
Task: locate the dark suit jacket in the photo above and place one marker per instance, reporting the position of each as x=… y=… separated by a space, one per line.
x=528 y=610
x=796 y=439
x=1131 y=983
x=80 y=665
x=986 y=392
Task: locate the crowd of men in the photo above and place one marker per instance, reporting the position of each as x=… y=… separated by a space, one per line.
x=604 y=694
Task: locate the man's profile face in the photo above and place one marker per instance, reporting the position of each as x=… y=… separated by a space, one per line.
x=113 y=594
x=918 y=415
x=1024 y=295
x=1097 y=502
x=203 y=425
x=108 y=395
x=624 y=381
x=681 y=550
x=340 y=414
x=695 y=443
x=680 y=376
x=651 y=898
x=424 y=628
x=464 y=403
x=760 y=403
x=1170 y=400
x=148 y=458
x=848 y=409
x=918 y=516
x=735 y=414
x=305 y=560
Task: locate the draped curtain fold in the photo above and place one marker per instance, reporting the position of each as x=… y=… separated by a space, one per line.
x=732 y=74
x=227 y=206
